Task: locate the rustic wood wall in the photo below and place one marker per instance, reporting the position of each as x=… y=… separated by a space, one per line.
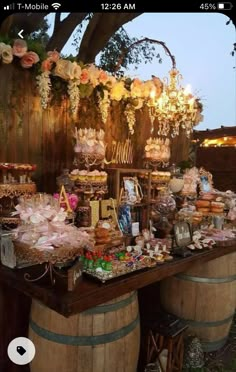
x=221 y=162
x=44 y=137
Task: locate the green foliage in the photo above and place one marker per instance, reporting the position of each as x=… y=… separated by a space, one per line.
x=85 y=90
x=41 y=35
x=5 y=39
x=58 y=89
x=120 y=42
x=37 y=47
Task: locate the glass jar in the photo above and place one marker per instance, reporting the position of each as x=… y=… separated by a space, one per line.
x=165 y=203
x=83 y=217
x=163 y=228
x=177 y=181
x=64 y=180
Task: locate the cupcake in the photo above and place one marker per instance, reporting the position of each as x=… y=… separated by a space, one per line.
x=83 y=176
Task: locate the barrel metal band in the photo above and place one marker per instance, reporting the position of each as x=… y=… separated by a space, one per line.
x=112 y=307
x=206 y=280
x=195 y=323
x=213 y=345
x=84 y=340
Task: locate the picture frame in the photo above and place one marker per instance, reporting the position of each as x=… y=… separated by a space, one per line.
x=205 y=181
x=131 y=192
x=182 y=234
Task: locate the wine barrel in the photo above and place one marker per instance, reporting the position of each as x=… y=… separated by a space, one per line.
x=104 y=338
x=205 y=297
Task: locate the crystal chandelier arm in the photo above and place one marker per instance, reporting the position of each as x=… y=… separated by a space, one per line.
x=152 y=41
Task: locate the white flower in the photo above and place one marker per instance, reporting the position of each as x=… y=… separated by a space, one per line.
x=130 y=116
x=104 y=105
x=118 y=91
x=6 y=53
x=44 y=87
x=74 y=95
x=94 y=73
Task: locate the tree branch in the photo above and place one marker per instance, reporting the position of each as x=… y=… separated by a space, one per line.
x=57 y=22
x=145 y=40
x=104 y=25
x=63 y=30
x=29 y=22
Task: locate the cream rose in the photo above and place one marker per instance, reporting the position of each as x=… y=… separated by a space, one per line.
x=29 y=59
x=67 y=70
x=2 y=46
x=19 y=48
x=118 y=91
x=64 y=69
x=6 y=53
x=93 y=73
x=77 y=71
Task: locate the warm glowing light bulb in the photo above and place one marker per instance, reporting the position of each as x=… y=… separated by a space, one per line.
x=152 y=94
x=191 y=102
x=160 y=103
x=187 y=90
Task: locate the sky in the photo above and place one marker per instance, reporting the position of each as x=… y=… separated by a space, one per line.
x=201 y=44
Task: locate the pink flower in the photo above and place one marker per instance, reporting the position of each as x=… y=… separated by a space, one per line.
x=19 y=48
x=72 y=199
x=53 y=56
x=47 y=64
x=29 y=59
x=84 y=77
x=103 y=77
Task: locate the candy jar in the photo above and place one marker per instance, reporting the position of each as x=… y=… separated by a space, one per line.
x=165 y=205
x=176 y=182
x=64 y=180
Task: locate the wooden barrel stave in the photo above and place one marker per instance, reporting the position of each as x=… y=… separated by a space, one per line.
x=102 y=340
x=204 y=296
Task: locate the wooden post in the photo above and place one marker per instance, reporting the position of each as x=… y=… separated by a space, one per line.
x=14 y=322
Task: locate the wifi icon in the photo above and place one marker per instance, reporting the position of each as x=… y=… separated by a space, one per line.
x=56 y=5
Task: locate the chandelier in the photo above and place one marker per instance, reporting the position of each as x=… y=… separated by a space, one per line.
x=176 y=107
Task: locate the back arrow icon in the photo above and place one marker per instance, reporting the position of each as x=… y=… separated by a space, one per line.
x=20 y=34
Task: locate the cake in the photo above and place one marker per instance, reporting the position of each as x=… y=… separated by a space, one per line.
x=158 y=149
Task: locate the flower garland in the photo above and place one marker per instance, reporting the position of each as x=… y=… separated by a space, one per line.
x=83 y=80
x=130 y=117
x=74 y=95
x=104 y=105
x=44 y=87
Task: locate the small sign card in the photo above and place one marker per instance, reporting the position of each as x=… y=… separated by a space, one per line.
x=73 y=275
x=182 y=234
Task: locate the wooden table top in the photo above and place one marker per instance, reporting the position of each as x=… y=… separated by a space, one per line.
x=90 y=293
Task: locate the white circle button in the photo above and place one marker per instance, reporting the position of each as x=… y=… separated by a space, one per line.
x=21 y=350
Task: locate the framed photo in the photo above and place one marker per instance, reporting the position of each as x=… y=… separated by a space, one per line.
x=182 y=234
x=131 y=193
x=205 y=183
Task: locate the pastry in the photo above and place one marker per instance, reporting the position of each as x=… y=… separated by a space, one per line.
x=202 y=204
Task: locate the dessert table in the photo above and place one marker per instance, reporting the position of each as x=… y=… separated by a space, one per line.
x=16 y=294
